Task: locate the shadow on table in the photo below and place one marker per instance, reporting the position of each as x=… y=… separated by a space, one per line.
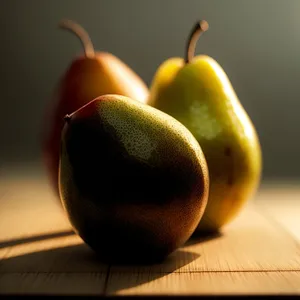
x=35 y=238
x=120 y=280
x=198 y=238
x=122 y=277
x=68 y=259
x=80 y=259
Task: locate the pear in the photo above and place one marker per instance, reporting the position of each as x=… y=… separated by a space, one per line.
x=197 y=92
x=132 y=179
x=89 y=75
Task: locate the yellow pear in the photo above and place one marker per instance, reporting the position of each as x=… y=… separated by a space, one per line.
x=197 y=92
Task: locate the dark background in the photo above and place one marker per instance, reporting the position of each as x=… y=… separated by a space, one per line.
x=256 y=42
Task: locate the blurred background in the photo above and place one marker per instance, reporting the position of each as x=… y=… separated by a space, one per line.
x=256 y=42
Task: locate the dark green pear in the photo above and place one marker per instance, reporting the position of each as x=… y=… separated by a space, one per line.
x=132 y=179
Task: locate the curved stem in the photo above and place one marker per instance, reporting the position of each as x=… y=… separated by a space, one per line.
x=198 y=29
x=67 y=118
x=81 y=34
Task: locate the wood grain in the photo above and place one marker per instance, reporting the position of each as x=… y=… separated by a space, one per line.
x=204 y=283
x=250 y=243
x=52 y=283
x=258 y=253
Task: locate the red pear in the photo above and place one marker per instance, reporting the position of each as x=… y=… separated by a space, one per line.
x=89 y=76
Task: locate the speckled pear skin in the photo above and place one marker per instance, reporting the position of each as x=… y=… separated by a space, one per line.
x=133 y=180
x=200 y=96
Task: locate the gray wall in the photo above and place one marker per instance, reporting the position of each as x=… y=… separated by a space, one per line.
x=256 y=42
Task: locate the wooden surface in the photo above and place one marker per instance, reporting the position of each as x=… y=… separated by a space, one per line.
x=258 y=253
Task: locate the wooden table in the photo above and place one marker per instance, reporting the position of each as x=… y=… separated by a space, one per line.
x=258 y=253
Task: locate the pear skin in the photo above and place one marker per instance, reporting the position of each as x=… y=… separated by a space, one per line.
x=90 y=75
x=197 y=92
x=133 y=180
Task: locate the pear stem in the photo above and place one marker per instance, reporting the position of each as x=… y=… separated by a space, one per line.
x=67 y=118
x=196 y=32
x=81 y=34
